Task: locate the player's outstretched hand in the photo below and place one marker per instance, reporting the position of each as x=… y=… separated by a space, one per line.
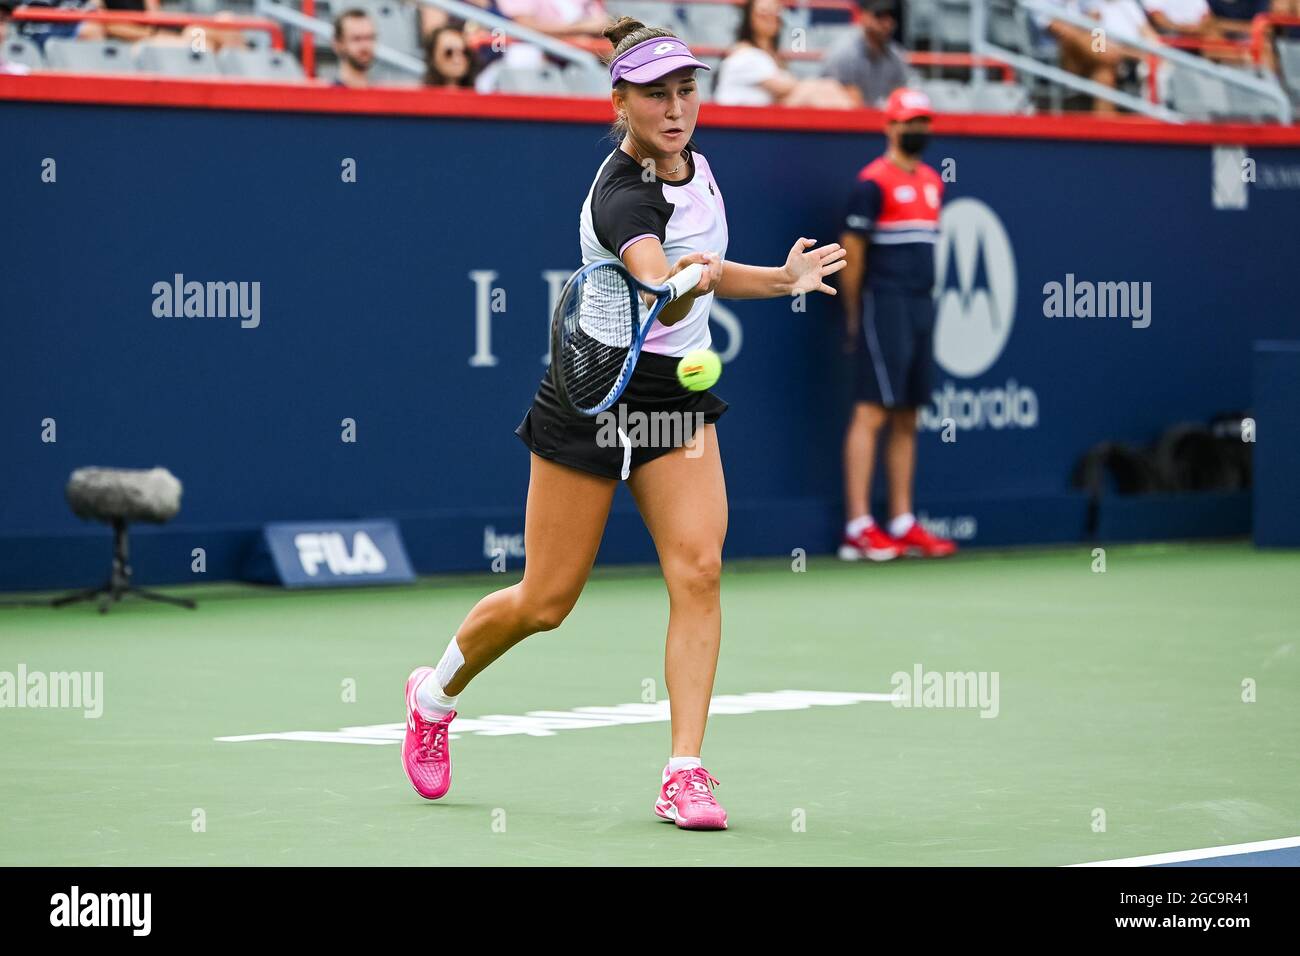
x=807 y=269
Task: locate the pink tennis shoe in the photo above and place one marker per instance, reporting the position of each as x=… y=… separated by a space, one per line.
x=426 y=753
x=686 y=799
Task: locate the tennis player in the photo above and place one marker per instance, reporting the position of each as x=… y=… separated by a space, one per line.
x=655 y=205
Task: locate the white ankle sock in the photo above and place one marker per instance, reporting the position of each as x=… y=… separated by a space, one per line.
x=681 y=763
x=858 y=525
x=902 y=524
x=429 y=694
x=431 y=700
x=452 y=659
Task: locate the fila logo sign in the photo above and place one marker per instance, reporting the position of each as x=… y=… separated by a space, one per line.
x=331 y=553
x=331 y=549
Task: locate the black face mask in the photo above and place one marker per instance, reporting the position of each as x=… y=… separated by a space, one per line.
x=913 y=142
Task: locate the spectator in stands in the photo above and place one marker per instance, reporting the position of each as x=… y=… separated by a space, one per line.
x=354 y=44
x=1109 y=62
x=1191 y=18
x=1237 y=14
x=195 y=37
x=754 y=73
x=38 y=31
x=448 y=60
x=870 y=61
x=6 y=8
x=566 y=19
x=431 y=18
x=120 y=31
x=562 y=18
x=1194 y=19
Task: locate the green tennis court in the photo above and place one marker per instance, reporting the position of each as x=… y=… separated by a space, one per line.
x=1119 y=704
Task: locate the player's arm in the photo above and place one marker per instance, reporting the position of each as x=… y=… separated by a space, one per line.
x=646 y=260
x=804 y=271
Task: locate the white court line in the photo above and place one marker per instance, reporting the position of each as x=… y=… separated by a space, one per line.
x=545 y=723
x=1182 y=856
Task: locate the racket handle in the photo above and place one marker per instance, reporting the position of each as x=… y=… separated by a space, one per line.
x=686 y=280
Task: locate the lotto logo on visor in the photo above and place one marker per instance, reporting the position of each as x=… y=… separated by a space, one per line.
x=663 y=48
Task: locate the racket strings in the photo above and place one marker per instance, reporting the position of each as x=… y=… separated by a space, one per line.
x=597 y=332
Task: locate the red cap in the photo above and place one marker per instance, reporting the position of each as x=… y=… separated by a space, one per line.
x=905 y=104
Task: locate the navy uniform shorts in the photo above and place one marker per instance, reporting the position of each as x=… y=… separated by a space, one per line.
x=896 y=348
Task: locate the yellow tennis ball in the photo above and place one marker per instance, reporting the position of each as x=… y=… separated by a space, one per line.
x=699 y=370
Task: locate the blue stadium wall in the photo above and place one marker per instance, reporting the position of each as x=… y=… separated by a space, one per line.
x=374 y=296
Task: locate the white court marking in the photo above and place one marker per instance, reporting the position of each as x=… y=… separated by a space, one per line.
x=1183 y=856
x=545 y=723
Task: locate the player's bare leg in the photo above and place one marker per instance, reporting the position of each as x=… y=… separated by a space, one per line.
x=683 y=501
x=563 y=525
x=565 y=519
x=682 y=497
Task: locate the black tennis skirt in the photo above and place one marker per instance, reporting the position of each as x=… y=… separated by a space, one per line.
x=654 y=415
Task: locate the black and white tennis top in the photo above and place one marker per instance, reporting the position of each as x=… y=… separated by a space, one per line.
x=685 y=216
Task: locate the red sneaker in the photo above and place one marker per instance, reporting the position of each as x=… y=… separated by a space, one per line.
x=872 y=545
x=919 y=543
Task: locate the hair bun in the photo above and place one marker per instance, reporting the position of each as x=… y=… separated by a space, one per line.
x=621 y=28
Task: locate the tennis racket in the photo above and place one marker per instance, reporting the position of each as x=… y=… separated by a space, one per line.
x=598 y=327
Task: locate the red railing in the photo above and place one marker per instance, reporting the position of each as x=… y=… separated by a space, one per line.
x=178 y=20
x=928 y=58
x=1200 y=45
x=1263 y=24
x=309 y=40
x=1260 y=28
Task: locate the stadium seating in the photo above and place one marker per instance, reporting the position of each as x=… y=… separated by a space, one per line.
x=395 y=24
x=649 y=12
x=918 y=25
x=1197 y=95
x=1288 y=52
x=711 y=24
x=259 y=64
x=579 y=82
x=22 y=52
x=948 y=96
x=952 y=25
x=89 y=56
x=174 y=60
x=546 y=81
x=1000 y=98
x=827 y=36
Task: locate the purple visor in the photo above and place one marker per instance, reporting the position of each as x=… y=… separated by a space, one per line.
x=651 y=59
